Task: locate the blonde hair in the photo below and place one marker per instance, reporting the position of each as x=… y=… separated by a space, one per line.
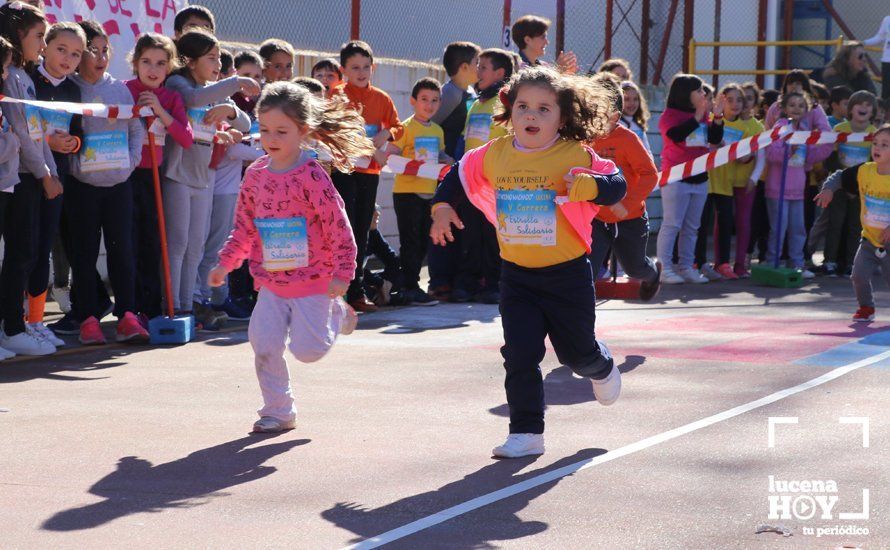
x=66 y=26
x=584 y=104
x=155 y=41
x=839 y=65
x=641 y=117
x=331 y=122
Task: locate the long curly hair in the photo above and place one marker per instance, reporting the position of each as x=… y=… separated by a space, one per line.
x=584 y=104
x=331 y=122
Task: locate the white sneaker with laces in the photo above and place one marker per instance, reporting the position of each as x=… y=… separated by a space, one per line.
x=27 y=343
x=518 y=445
x=806 y=273
x=608 y=389
x=6 y=354
x=62 y=296
x=710 y=273
x=43 y=331
x=690 y=275
x=670 y=277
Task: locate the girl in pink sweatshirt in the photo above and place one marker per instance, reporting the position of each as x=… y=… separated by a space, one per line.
x=291 y=226
x=801 y=158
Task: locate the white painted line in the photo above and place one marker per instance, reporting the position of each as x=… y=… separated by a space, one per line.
x=531 y=483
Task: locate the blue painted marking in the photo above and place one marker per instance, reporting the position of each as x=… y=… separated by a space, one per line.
x=852 y=352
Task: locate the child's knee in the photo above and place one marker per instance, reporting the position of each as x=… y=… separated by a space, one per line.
x=310 y=353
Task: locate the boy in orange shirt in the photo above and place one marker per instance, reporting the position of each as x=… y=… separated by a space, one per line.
x=359 y=189
x=624 y=226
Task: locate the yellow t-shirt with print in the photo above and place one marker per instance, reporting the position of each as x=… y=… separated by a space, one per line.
x=722 y=179
x=874 y=197
x=422 y=142
x=480 y=129
x=850 y=153
x=532 y=231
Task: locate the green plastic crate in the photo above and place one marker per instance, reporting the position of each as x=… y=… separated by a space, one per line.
x=782 y=277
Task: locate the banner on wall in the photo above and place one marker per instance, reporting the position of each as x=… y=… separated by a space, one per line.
x=123 y=20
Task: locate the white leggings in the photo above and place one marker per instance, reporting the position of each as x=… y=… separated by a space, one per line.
x=312 y=322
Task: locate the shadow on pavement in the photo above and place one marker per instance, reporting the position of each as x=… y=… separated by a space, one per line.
x=138 y=486
x=412 y=320
x=369 y=522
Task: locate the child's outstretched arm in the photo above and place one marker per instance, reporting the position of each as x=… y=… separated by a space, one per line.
x=214 y=93
x=602 y=190
x=846 y=179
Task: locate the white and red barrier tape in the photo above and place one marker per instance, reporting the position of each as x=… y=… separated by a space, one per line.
x=119 y=112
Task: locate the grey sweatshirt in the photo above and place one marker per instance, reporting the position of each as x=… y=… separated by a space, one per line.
x=109 y=91
x=35 y=157
x=192 y=166
x=9 y=159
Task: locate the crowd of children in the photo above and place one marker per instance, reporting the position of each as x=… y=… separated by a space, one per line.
x=270 y=188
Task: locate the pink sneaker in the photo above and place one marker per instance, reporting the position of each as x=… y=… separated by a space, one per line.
x=130 y=330
x=726 y=272
x=91 y=333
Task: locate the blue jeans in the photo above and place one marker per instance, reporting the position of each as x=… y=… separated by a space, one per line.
x=682 y=204
x=792 y=227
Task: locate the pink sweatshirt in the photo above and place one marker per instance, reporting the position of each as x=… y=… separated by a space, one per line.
x=313 y=235
x=180 y=129
x=796 y=176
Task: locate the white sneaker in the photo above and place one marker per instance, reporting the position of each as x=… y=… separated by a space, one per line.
x=27 y=343
x=43 y=331
x=267 y=424
x=62 y=296
x=710 y=273
x=690 y=275
x=608 y=389
x=518 y=445
x=806 y=273
x=6 y=354
x=670 y=277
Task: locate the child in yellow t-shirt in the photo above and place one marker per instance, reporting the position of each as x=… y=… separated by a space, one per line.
x=539 y=187
x=842 y=233
x=421 y=140
x=871 y=182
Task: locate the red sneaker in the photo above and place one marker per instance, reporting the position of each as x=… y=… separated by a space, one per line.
x=864 y=314
x=726 y=272
x=91 y=333
x=130 y=330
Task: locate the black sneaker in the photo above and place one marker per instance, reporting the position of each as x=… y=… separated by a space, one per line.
x=66 y=325
x=460 y=296
x=649 y=290
x=417 y=297
x=488 y=297
x=830 y=269
x=207 y=318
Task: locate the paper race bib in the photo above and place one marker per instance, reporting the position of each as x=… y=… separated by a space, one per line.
x=851 y=155
x=159 y=130
x=877 y=212
x=698 y=138
x=203 y=133
x=371 y=130
x=479 y=127
x=55 y=121
x=799 y=158
x=426 y=149
x=105 y=151
x=35 y=126
x=285 y=244
x=732 y=135
x=527 y=217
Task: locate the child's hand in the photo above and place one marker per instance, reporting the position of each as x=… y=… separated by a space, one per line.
x=237 y=136
x=619 y=210
x=52 y=187
x=381 y=138
x=885 y=235
x=217 y=276
x=220 y=113
x=337 y=288
x=149 y=99
x=443 y=218
x=750 y=187
x=823 y=199
x=381 y=157
x=224 y=138
x=61 y=142
x=567 y=63
x=719 y=105
x=249 y=86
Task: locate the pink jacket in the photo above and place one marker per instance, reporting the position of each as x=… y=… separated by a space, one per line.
x=673 y=153
x=180 y=129
x=481 y=192
x=303 y=193
x=795 y=176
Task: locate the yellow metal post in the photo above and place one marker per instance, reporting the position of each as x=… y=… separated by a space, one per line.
x=692 y=56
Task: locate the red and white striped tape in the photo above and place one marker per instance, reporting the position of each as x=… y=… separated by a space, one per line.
x=119 y=112
x=744 y=147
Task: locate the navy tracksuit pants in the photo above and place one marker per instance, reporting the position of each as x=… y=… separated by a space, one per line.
x=555 y=301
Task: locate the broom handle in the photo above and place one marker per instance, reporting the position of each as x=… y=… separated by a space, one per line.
x=779 y=239
x=162 y=224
